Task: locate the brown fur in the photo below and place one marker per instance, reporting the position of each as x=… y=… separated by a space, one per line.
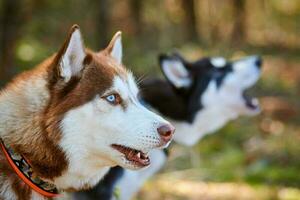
x=37 y=134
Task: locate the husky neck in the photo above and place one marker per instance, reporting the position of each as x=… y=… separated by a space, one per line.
x=22 y=106
x=206 y=121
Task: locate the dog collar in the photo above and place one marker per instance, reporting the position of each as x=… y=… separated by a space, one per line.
x=21 y=167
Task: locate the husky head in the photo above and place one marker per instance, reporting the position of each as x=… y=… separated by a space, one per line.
x=214 y=86
x=94 y=104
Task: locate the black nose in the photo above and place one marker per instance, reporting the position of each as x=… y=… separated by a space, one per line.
x=258 y=62
x=166 y=132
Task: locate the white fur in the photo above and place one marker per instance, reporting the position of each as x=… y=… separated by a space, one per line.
x=117 y=50
x=71 y=62
x=206 y=122
x=220 y=105
x=176 y=73
x=218 y=61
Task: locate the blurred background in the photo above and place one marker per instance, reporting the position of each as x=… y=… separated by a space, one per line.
x=250 y=158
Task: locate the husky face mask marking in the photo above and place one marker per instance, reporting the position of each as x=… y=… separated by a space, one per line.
x=111 y=124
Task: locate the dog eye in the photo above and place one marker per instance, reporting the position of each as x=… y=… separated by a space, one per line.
x=114 y=99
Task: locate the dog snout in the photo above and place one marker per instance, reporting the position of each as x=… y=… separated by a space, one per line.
x=258 y=62
x=166 y=132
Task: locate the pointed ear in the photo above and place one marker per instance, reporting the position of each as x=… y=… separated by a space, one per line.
x=115 y=48
x=72 y=55
x=174 y=70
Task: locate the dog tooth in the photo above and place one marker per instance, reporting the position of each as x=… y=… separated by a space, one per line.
x=139 y=155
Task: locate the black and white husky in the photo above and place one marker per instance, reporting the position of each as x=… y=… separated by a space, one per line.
x=199 y=98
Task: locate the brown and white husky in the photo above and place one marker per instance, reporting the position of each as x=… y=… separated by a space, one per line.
x=68 y=120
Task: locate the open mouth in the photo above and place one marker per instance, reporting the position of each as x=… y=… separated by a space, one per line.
x=251 y=102
x=136 y=157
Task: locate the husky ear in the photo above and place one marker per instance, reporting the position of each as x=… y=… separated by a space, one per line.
x=174 y=70
x=72 y=55
x=115 y=48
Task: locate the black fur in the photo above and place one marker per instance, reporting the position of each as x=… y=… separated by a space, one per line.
x=169 y=103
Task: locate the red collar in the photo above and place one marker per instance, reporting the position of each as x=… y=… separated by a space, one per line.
x=21 y=167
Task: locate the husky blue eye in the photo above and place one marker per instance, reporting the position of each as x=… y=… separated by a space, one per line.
x=111 y=98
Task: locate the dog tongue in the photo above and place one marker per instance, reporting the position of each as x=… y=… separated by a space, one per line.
x=138 y=157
